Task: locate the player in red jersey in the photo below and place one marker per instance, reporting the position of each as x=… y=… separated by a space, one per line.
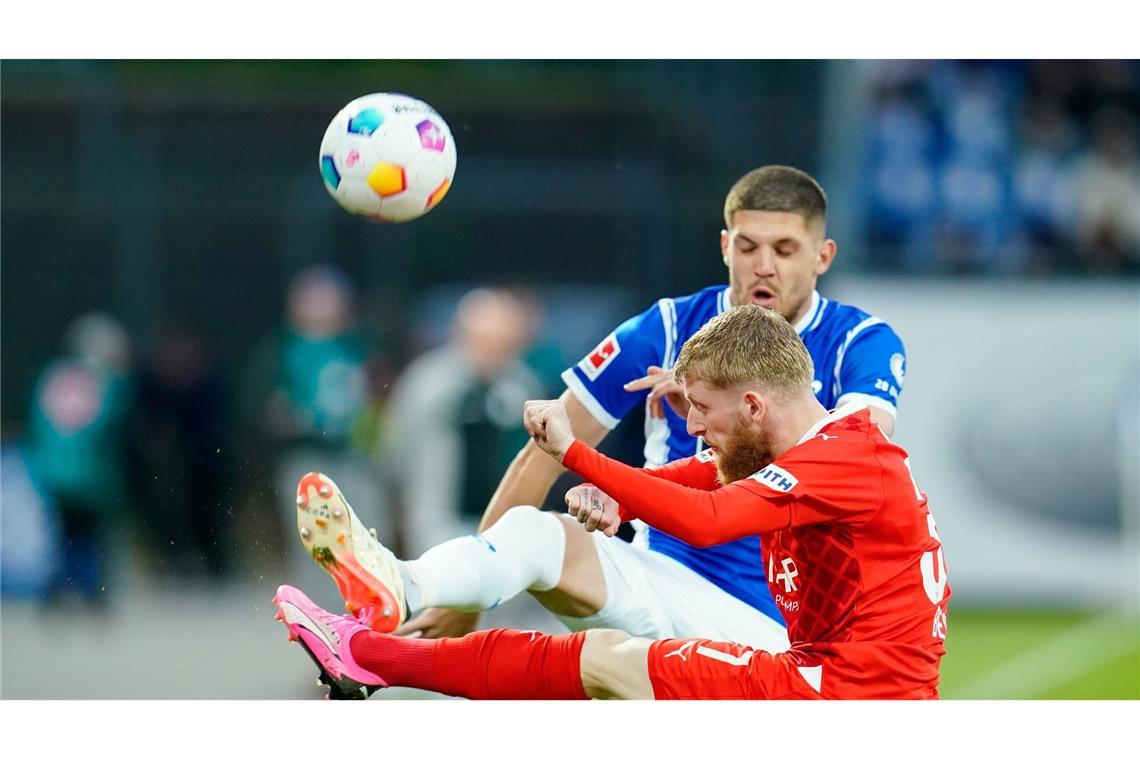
x=853 y=556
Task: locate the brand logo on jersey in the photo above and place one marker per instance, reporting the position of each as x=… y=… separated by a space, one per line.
x=787 y=576
x=898 y=368
x=776 y=478
x=706 y=456
x=682 y=651
x=598 y=359
x=826 y=437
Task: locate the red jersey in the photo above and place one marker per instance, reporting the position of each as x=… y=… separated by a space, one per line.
x=851 y=550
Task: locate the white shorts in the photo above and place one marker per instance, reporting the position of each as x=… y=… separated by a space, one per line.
x=654 y=596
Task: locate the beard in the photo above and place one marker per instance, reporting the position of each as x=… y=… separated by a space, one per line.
x=746 y=452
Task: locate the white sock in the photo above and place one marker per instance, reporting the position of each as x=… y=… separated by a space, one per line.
x=523 y=550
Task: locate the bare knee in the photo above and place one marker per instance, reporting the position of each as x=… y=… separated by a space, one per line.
x=615 y=665
x=581 y=590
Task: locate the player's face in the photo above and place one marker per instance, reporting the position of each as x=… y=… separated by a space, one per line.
x=774 y=258
x=729 y=427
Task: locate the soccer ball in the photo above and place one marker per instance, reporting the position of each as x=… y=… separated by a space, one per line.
x=388 y=157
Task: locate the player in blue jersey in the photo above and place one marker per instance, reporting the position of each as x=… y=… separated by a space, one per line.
x=775 y=247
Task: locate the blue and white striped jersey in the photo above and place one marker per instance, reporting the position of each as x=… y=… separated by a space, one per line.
x=857 y=358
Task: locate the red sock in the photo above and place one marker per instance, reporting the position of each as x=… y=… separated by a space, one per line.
x=497 y=664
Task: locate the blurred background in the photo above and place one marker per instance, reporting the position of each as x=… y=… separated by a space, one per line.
x=189 y=323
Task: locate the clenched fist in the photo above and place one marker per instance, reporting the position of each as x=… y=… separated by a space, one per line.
x=548 y=425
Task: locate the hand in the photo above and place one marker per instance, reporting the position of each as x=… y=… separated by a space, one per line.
x=438 y=623
x=662 y=386
x=594 y=508
x=548 y=425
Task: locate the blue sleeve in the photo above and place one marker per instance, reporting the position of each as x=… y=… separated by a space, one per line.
x=872 y=368
x=622 y=356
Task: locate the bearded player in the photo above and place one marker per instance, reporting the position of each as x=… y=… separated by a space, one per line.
x=851 y=548
x=775 y=247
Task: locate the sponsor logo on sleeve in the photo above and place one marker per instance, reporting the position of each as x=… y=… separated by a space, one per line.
x=597 y=360
x=776 y=478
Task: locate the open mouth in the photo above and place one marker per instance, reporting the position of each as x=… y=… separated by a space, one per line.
x=762 y=297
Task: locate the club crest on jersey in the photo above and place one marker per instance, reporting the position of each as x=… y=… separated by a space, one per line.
x=600 y=358
x=898 y=368
x=776 y=478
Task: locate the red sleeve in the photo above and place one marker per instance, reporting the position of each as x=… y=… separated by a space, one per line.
x=694 y=472
x=818 y=481
x=697 y=516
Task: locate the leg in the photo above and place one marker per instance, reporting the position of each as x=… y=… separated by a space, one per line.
x=494 y=664
x=503 y=664
x=695 y=607
x=615 y=665
x=526 y=550
x=707 y=669
x=581 y=590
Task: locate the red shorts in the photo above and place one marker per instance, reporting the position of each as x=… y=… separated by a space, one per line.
x=706 y=669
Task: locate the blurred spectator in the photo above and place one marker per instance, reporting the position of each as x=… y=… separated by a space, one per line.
x=1042 y=186
x=1108 y=195
x=456 y=418
x=953 y=189
x=975 y=219
x=29 y=529
x=543 y=353
x=901 y=184
x=182 y=449
x=77 y=449
x=308 y=383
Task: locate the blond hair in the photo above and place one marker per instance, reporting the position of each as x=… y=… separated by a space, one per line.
x=747 y=345
x=777 y=188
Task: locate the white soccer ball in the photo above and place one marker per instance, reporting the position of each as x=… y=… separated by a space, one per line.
x=388 y=157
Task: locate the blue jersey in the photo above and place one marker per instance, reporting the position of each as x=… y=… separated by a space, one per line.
x=857 y=358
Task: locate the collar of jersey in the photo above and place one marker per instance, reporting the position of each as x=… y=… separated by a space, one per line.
x=810 y=317
x=838 y=414
x=806 y=323
x=723 y=300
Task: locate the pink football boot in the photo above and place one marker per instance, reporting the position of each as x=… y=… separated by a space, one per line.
x=325 y=637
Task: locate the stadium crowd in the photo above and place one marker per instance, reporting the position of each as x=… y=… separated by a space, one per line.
x=1003 y=167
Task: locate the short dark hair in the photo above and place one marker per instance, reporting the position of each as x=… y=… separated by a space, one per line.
x=777 y=188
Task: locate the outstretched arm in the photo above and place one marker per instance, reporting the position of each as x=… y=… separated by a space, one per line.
x=597 y=510
x=697 y=516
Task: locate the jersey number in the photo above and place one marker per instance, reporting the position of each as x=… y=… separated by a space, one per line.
x=933 y=563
